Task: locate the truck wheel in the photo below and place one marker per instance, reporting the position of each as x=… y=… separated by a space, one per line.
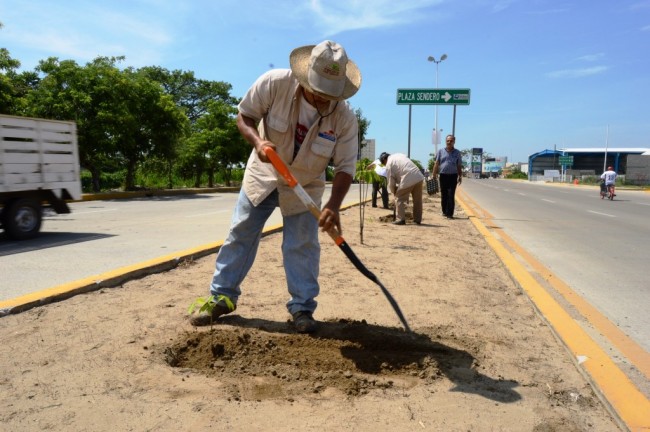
x=22 y=219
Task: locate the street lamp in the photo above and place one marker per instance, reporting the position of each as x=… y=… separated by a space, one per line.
x=435 y=135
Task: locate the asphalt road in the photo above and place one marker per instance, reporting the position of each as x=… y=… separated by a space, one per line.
x=102 y=236
x=600 y=248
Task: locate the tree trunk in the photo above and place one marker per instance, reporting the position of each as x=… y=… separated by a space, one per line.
x=170 y=169
x=129 y=181
x=211 y=177
x=95 y=175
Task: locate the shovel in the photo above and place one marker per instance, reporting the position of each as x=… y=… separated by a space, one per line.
x=280 y=166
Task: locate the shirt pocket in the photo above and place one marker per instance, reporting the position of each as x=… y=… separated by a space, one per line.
x=323 y=147
x=321 y=152
x=278 y=124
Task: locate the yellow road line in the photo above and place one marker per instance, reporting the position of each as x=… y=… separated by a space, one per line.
x=118 y=276
x=639 y=357
x=632 y=407
x=111 y=278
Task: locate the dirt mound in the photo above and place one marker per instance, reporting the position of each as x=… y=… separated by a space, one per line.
x=266 y=360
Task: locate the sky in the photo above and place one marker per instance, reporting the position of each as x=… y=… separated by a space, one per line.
x=543 y=74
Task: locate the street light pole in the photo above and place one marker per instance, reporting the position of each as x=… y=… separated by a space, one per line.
x=436 y=131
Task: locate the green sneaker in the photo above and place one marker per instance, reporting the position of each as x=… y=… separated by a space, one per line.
x=222 y=306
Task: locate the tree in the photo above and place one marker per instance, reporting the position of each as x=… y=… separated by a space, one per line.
x=188 y=92
x=215 y=143
x=122 y=117
x=12 y=88
x=151 y=124
x=210 y=109
x=431 y=162
x=364 y=124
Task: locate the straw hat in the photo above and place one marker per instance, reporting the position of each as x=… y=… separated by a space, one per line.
x=325 y=69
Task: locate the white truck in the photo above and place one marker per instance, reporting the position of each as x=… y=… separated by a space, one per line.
x=39 y=165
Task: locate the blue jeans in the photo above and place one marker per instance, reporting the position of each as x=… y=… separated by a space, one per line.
x=300 y=252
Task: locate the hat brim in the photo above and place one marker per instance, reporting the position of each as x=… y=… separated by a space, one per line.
x=299 y=61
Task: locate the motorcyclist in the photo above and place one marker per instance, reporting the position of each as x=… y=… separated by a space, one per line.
x=610 y=180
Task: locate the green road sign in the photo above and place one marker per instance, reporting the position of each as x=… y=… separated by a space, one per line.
x=432 y=96
x=566 y=160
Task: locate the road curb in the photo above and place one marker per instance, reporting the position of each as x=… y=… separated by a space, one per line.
x=112 y=278
x=100 y=196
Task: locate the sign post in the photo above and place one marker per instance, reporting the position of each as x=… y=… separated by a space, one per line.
x=565 y=161
x=476 y=161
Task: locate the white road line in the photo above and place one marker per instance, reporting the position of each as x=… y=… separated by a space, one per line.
x=599 y=213
x=643 y=204
x=521 y=193
x=548 y=201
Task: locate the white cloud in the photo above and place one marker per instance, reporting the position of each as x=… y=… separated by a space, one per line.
x=502 y=5
x=591 y=57
x=640 y=5
x=549 y=11
x=577 y=73
x=337 y=16
x=84 y=31
x=645 y=28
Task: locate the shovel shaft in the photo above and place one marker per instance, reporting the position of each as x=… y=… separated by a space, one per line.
x=282 y=168
x=304 y=197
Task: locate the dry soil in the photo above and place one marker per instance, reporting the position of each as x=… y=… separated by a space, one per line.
x=479 y=358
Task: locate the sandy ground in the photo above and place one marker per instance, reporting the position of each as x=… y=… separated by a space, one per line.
x=479 y=357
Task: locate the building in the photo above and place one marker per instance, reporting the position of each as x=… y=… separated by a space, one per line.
x=631 y=163
x=367 y=149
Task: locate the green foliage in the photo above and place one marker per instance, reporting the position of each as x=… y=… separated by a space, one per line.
x=431 y=162
x=417 y=163
x=595 y=180
x=516 y=173
x=364 y=175
x=364 y=124
x=202 y=304
x=329 y=173
x=136 y=128
x=108 y=181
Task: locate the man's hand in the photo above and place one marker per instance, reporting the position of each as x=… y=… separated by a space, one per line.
x=460 y=179
x=260 y=150
x=329 y=218
x=248 y=128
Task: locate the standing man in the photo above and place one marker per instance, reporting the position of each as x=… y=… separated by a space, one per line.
x=380 y=184
x=301 y=113
x=449 y=164
x=404 y=179
x=610 y=180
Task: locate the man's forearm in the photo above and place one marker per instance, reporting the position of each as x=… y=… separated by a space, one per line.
x=340 y=187
x=248 y=129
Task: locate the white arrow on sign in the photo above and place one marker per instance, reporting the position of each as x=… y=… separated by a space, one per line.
x=446 y=96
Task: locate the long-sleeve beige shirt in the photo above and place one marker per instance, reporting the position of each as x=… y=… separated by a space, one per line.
x=401 y=172
x=274 y=101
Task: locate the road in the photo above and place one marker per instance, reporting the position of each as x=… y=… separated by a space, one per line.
x=600 y=248
x=101 y=236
